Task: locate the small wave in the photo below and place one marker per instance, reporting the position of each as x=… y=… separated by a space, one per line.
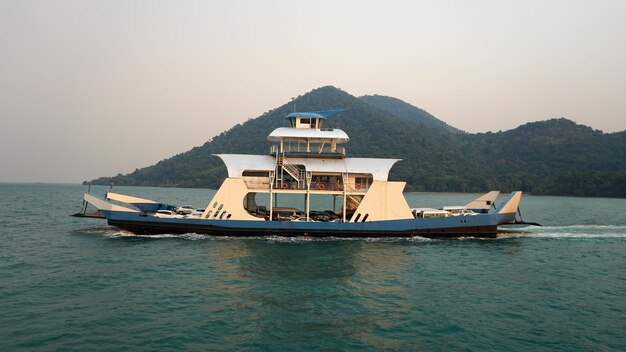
x=619 y=228
x=296 y=239
x=571 y=231
x=576 y=235
x=98 y=230
x=269 y=238
x=565 y=232
x=122 y=234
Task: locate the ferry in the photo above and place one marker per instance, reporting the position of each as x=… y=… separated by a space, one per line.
x=307 y=160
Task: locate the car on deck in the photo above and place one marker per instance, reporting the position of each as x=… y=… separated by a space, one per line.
x=185 y=210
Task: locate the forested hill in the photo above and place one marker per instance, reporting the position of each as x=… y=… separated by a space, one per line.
x=406 y=111
x=557 y=157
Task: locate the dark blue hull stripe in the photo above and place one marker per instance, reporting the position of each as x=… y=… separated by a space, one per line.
x=484 y=225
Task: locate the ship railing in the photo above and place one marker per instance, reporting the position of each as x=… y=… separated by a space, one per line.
x=287 y=185
x=314 y=149
x=357 y=187
x=326 y=186
x=264 y=183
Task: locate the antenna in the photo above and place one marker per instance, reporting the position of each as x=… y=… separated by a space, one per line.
x=338 y=123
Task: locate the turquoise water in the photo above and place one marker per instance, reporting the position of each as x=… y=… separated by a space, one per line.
x=79 y=285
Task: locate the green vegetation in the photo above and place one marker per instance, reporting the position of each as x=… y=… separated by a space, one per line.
x=406 y=111
x=554 y=157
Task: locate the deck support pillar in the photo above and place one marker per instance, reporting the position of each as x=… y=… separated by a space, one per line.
x=345 y=187
x=307 y=198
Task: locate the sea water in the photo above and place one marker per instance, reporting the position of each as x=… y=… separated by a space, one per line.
x=73 y=284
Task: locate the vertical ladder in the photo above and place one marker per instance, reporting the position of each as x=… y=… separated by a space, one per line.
x=302 y=179
x=278 y=174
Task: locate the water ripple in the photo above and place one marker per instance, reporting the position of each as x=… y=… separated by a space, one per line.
x=73 y=284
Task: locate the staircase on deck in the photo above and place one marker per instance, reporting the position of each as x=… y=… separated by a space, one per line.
x=298 y=174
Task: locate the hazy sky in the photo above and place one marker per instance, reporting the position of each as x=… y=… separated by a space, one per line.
x=93 y=88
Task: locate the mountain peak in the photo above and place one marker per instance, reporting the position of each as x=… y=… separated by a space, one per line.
x=559 y=128
x=556 y=156
x=407 y=111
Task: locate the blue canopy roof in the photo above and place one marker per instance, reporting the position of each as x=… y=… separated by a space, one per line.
x=316 y=114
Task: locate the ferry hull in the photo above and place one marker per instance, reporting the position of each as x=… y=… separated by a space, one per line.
x=159 y=228
x=472 y=226
x=144 y=223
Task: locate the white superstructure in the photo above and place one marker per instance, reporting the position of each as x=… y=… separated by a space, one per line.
x=309 y=160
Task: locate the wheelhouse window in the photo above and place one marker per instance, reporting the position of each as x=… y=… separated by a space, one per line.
x=306 y=122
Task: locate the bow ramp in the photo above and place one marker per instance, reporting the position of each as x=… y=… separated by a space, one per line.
x=509 y=208
x=510 y=204
x=484 y=203
x=103 y=205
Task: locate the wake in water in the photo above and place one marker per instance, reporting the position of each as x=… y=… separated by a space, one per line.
x=570 y=231
x=273 y=238
x=557 y=232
